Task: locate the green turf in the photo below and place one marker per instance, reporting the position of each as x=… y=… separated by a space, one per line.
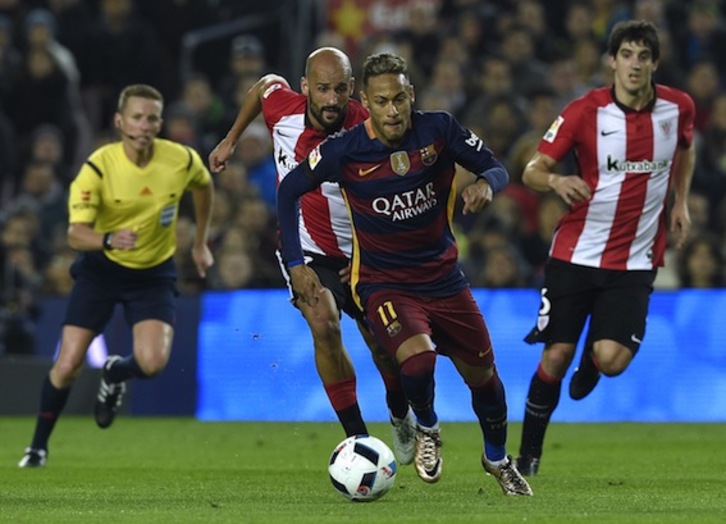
x=179 y=470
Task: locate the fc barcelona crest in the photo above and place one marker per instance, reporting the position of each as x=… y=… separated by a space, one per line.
x=428 y=155
x=400 y=163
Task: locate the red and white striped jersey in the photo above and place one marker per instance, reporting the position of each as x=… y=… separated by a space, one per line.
x=324 y=222
x=626 y=157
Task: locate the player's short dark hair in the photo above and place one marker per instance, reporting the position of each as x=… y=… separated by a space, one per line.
x=141 y=91
x=384 y=64
x=639 y=31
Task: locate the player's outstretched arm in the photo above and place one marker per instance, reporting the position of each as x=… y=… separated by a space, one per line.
x=251 y=108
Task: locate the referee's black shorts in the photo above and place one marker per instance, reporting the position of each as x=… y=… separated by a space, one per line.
x=100 y=284
x=616 y=302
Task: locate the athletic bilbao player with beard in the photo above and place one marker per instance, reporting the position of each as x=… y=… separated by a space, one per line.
x=633 y=142
x=298 y=122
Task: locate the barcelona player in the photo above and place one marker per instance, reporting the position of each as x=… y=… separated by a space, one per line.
x=396 y=172
x=123 y=207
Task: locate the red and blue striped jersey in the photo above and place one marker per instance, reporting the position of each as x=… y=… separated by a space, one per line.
x=400 y=201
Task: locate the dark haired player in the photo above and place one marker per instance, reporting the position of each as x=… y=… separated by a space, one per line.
x=396 y=172
x=633 y=142
x=123 y=208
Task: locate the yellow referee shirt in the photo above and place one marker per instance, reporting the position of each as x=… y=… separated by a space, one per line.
x=113 y=193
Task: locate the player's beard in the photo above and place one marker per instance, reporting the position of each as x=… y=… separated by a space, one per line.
x=328 y=125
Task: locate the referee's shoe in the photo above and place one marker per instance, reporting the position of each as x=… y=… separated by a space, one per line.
x=110 y=395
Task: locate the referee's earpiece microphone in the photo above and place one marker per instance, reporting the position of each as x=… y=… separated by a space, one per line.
x=124 y=133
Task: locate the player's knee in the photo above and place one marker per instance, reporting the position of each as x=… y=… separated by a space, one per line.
x=477 y=377
x=613 y=364
x=64 y=373
x=151 y=364
x=611 y=357
x=557 y=358
x=326 y=330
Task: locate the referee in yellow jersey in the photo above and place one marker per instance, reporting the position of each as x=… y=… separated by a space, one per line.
x=123 y=209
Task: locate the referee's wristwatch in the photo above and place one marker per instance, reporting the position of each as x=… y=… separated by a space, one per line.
x=107 y=241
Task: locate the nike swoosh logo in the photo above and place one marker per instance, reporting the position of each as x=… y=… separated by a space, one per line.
x=635 y=339
x=608 y=133
x=482 y=354
x=365 y=172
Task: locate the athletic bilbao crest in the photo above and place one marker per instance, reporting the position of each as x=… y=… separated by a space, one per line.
x=428 y=155
x=666 y=126
x=400 y=163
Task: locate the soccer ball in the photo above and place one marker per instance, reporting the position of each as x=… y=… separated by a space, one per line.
x=362 y=468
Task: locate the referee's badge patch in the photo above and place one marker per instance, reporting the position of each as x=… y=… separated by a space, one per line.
x=551 y=133
x=167 y=215
x=400 y=163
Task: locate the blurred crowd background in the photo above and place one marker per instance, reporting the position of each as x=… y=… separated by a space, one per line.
x=505 y=68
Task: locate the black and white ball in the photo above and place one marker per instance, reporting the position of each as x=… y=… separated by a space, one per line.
x=362 y=468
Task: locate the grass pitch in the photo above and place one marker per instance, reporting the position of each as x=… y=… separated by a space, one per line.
x=179 y=470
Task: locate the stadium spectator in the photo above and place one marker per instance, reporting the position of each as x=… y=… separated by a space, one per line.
x=188 y=280
x=40 y=96
x=503 y=267
x=536 y=245
x=299 y=122
x=43 y=195
x=703 y=36
x=180 y=125
x=563 y=78
x=518 y=48
x=421 y=31
x=532 y=15
x=120 y=49
x=701 y=263
x=602 y=263
x=57 y=279
x=172 y=20
x=234 y=270
x=246 y=60
x=710 y=176
x=493 y=79
x=41 y=29
x=447 y=87
x=127 y=245
x=703 y=84
x=73 y=18
x=578 y=25
x=20 y=281
x=46 y=145
x=207 y=109
x=254 y=153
